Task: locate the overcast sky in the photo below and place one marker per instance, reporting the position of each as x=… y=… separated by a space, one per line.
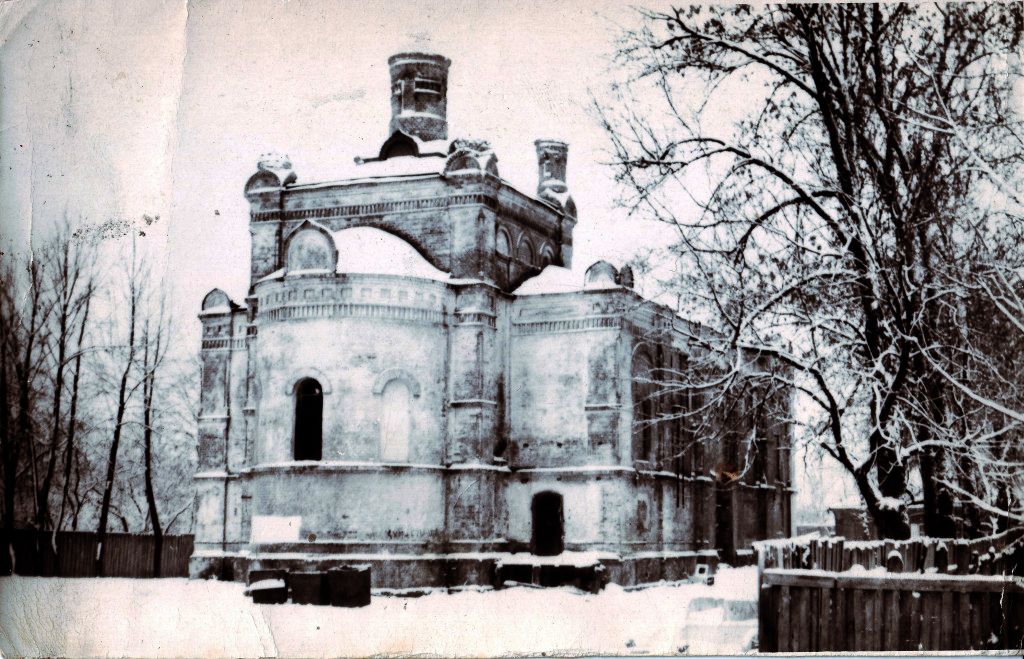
x=163 y=109
x=109 y=111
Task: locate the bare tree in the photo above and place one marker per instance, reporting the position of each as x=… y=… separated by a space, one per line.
x=70 y=284
x=126 y=356
x=833 y=213
x=154 y=342
x=985 y=372
x=73 y=420
x=9 y=446
x=23 y=319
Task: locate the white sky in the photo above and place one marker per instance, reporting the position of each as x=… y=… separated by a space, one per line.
x=115 y=110
x=94 y=124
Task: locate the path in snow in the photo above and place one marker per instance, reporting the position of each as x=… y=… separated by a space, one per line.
x=178 y=617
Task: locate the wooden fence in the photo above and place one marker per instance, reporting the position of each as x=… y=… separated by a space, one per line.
x=814 y=611
x=947 y=556
x=126 y=555
x=827 y=595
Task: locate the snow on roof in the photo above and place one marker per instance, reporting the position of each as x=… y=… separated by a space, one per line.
x=363 y=171
x=216 y=311
x=556 y=279
x=430 y=146
x=400 y=166
x=366 y=250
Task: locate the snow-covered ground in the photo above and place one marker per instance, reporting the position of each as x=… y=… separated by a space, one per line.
x=178 y=617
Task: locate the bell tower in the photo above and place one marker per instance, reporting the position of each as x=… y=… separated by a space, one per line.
x=419 y=95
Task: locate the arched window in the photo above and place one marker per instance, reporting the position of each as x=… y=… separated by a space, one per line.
x=311 y=247
x=309 y=419
x=501 y=244
x=547 y=256
x=643 y=407
x=395 y=422
x=525 y=252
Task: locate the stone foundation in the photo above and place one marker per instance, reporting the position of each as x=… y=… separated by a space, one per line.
x=418 y=572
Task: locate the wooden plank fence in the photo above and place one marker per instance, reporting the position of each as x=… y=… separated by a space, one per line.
x=997 y=555
x=827 y=595
x=127 y=554
x=815 y=611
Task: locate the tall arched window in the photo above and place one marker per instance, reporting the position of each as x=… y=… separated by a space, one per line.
x=547 y=256
x=643 y=407
x=309 y=419
x=524 y=253
x=395 y=422
x=501 y=243
x=503 y=247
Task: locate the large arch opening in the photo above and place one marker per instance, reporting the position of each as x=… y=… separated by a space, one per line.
x=309 y=419
x=548 y=524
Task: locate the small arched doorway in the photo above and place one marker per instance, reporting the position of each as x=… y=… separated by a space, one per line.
x=309 y=415
x=548 y=524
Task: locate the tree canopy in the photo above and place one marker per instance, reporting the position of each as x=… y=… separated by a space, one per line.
x=860 y=226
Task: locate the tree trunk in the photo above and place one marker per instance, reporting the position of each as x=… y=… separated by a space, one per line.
x=9 y=458
x=23 y=432
x=69 y=448
x=147 y=436
x=122 y=404
x=43 y=493
x=891 y=522
x=101 y=530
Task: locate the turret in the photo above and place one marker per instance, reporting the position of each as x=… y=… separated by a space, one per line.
x=419 y=95
x=552 y=158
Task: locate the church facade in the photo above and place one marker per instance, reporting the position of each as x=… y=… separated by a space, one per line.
x=419 y=381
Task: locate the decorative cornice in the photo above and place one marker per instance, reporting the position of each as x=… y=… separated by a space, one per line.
x=567 y=325
x=355 y=310
x=475 y=318
x=224 y=344
x=378 y=208
x=364 y=466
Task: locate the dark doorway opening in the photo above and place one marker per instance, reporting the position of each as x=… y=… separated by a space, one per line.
x=309 y=414
x=548 y=524
x=724 y=522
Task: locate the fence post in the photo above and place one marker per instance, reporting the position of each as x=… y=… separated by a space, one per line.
x=942 y=558
x=762 y=600
x=893 y=562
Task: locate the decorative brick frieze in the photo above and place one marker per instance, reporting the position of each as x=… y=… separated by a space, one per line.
x=378 y=208
x=376 y=311
x=567 y=325
x=480 y=318
x=224 y=344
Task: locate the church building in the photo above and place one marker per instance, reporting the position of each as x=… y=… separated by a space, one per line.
x=419 y=380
